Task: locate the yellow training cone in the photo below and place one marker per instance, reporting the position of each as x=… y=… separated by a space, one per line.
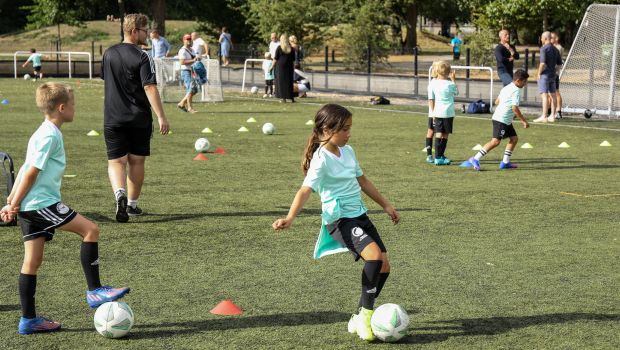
x=207 y=131
x=310 y=122
x=251 y=120
x=605 y=144
x=527 y=146
x=92 y=133
x=243 y=129
x=564 y=145
x=477 y=147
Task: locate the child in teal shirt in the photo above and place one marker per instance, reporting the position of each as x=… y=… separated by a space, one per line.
x=441 y=93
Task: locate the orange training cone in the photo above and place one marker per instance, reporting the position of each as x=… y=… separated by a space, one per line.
x=226 y=308
x=219 y=150
x=201 y=156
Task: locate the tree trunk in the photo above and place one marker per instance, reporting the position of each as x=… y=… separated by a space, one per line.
x=411 y=40
x=121 y=11
x=159 y=16
x=545 y=22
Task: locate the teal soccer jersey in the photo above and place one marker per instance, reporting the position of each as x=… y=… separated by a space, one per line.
x=508 y=97
x=442 y=92
x=45 y=152
x=35 y=58
x=335 y=179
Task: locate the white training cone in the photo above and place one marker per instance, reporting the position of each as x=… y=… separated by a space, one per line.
x=310 y=122
x=207 y=131
x=605 y=144
x=251 y=120
x=477 y=147
x=243 y=129
x=564 y=145
x=527 y=146
x=92 y=133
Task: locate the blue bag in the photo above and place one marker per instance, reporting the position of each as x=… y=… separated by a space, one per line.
x=478 y=107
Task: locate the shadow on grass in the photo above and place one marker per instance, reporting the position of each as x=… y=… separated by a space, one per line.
x=154 y=218
x=147 y=331
x=496 y=325
x=5 y=308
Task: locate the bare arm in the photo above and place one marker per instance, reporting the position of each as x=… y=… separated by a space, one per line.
x=23 y=184
x=541 y=67
x=517 y=112
x=298 y=203
x=371 y=191
x=153 y=95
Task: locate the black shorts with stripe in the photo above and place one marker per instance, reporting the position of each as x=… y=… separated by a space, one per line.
x=43 y=222
x=503 y=131
x=355 y=234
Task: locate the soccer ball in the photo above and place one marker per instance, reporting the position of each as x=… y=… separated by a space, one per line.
x=268 y=129
x=114 y=319
x=254 y=90
x=587 y=113
x=202 y=145
x=26 y=76
x=389 y=322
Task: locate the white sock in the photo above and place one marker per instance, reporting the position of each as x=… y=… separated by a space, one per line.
x=119 y=193
x=132 y=203
x=480 y=154
x=507 y=155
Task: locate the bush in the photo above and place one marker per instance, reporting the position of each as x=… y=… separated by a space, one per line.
x=481 y=45
x=367 y=30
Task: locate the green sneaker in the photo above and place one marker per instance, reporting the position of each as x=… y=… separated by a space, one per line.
x=363 y=325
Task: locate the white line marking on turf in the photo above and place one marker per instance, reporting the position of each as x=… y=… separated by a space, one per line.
x=590 y=195
x=425 y=113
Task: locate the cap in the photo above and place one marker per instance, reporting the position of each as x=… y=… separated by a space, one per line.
x=187 y=37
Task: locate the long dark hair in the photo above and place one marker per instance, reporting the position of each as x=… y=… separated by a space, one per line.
x=331 y=118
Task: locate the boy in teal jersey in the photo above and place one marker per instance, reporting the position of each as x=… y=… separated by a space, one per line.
x=35 y=200
x=333 y=171
x=35 y=58
x=441 y=93
x=507 y=107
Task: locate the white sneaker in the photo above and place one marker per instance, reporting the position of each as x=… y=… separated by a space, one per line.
x=265 y=96
x=352 y=326
x=541 y=119
x=551 y=119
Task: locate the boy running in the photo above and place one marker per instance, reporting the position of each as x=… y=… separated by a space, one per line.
x=507 y=107
x=35 y=199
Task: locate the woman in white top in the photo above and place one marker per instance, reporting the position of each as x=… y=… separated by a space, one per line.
x=186 y=59
x=199 y=46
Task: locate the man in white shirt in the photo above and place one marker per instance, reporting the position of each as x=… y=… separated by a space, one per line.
x=273 y=44
x=199 y=46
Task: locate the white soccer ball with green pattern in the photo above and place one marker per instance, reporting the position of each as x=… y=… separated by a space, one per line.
x=114 y=319
x=389 y=322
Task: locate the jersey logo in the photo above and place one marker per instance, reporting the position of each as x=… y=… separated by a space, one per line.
x=62 y=209
x=356 y=232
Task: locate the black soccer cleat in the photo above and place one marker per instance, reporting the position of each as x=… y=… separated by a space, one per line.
x=121 y=209
x=131 y=211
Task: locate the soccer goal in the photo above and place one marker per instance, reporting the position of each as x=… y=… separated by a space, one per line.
x=245 y=68
x=589 y=78
x=69 y=54
x=170 y=85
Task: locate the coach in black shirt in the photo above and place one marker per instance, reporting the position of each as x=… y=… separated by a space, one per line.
x=505 y=54
x=130 y=93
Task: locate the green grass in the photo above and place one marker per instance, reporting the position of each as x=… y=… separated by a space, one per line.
x=491 y=259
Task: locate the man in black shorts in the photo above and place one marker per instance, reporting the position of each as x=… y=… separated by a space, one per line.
x=130 y=93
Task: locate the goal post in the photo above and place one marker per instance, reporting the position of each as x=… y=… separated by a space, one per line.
x=171 y=87
x=60 y=53
x=245 y=68
x=590 y=74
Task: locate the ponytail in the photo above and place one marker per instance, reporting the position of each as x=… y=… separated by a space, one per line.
x=312 y=145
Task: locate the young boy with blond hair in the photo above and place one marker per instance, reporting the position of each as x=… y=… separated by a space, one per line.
x=35 y=200
x=441 y=93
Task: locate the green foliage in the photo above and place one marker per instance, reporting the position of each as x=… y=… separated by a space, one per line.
x=53 y=12
x=86 y=34
x=481 y=45
x=367 y=30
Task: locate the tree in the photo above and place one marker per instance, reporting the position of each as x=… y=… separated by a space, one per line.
x=367 y=30
x=158 y=8
x=56 y=12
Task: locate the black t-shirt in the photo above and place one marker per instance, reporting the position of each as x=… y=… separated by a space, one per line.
x=126 y=69
x=502 y=55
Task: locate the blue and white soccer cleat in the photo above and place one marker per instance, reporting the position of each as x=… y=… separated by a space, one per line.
x=104 y=294
x=37 y=325
x=475 y=163
x=429 y=159
x=508 y=165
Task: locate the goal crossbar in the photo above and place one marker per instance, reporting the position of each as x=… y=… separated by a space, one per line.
x=245 y=67
x=61 y=53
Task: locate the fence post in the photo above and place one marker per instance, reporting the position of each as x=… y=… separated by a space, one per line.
x=92 y=55
x=333 y=56
x=415 y=71
x=57 y=58
x=326 y=66
x=369 y=68
x=467 y=63
x=527 y=58
x=100 y=51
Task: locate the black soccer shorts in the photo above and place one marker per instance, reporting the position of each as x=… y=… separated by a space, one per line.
x=443 y=125
x=503 y=131
x=121 y=141
x=355 y=234
x=43 y=222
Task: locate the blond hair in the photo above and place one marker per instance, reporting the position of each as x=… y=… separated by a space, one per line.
x=442 y=68
x=134 y=21
x=285 y=45
x=50 y=95
x=293 y=40
x=434 y=70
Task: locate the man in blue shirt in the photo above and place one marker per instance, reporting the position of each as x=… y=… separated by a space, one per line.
x=549 y=60
x=161 y=46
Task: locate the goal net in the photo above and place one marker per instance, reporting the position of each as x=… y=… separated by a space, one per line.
x=590 y=76
x=172 y=89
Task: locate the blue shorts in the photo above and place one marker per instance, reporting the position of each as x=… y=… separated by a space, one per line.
x=186 y=76
x=546 y=85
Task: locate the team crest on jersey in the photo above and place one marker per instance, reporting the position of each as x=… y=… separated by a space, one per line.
x=61 y=208
x=356 y=232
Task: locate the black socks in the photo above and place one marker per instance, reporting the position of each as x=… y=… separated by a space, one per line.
x=440 y=147
x=370 y=280
x=383 y=276
x=89 y=256
x=429 y=146
x=27 y=288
